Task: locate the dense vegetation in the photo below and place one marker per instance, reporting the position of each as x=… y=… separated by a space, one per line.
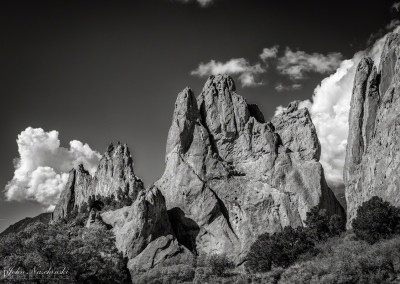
x=283 y=248
x=86 y=255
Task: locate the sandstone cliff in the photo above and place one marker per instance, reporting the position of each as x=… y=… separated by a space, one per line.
x=230 y=176
x=372 y=156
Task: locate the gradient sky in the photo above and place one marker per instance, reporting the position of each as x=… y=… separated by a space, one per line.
x=107 y=71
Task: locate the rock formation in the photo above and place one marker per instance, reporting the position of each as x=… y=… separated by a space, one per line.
x=163 y=251
x=137 y=225
x=143 y=232
x=114 y=178
x=230 y=176
x=372 y=156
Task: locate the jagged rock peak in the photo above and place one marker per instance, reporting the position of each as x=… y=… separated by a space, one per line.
x=230 y=176
x=114 y=177
x=220 y=83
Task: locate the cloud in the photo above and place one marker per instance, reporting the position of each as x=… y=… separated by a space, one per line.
x=202 y=3
x=296 y=64
x=280 y=87
x=41 y=171
x=237 y=66
x=269 y=53
x=394 y=23
x=329 y=110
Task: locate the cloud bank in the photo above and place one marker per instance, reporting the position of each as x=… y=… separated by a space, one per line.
x=237 y=66
x=41 y=171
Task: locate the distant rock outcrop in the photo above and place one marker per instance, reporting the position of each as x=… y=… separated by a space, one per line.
x=114 y=178
x=22 y=224
x=373 y=146
x=230 y=176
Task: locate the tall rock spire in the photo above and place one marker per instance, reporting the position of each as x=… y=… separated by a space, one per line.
x=373 y=148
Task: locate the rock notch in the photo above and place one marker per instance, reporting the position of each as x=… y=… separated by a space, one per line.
x=230 y=176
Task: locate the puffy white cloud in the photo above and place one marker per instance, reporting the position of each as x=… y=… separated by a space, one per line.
x=269 y=53
x=296 y=64
x=41 y=171
x=280 y=87
x=330 y=108
x=237 y=66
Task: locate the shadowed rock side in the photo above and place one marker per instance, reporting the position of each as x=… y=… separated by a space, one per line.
x=372 y=156
x=114 y=177
x=233 y=176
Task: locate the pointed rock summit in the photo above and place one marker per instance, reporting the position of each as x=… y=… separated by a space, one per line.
x=230 y=176
x=373 y=147
x=114 y=178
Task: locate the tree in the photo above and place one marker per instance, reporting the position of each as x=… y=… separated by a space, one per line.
x=320 y=225
x=219 y=263
x=376 y=219
x=279 y=249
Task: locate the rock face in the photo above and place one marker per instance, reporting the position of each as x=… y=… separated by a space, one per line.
x=164 y=251
x=114 y=178
x=373 y=157
x=137 y=225
x=230 y=176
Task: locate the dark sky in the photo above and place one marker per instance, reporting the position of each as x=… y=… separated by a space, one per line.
x=106 y=71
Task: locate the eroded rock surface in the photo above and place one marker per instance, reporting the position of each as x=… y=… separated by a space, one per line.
x=230 y=176
x=163 y=251
x=137 y=225
x=114 y=178
x=373 y=157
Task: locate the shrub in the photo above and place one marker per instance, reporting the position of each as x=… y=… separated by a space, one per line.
x=320 y=225
x=279 y=249
x=219 y=263
x=348 y=261
x=376 y=219
x=170 y=274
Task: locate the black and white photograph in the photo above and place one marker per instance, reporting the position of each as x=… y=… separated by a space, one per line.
x=200 y=141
